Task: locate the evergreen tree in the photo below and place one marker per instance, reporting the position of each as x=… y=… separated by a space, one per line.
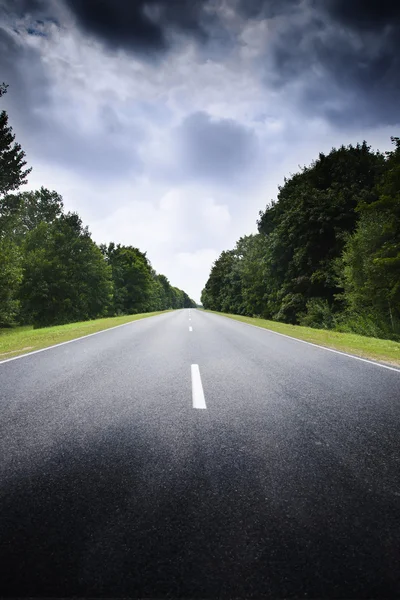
x=12 y=158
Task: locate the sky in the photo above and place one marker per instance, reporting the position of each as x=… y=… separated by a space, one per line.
x=169 y=124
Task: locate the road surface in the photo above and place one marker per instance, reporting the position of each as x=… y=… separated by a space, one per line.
x=190 y=455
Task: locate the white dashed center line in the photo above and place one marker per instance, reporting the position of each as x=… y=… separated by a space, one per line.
x=190 y=328
x=197 y=389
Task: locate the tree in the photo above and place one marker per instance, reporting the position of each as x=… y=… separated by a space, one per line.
x=23 y=211
x=167 y=299
x=217 y=294
x=65 y=276
x=12 y=175
x=187 y=301
x=177 y=297
x=370 y=271
x=19 y=214
x=315 y=210
x=348 y=200
x=38 y=206
x=10 y=279
x=132 y=278
x=12 y=163
x=252 y=254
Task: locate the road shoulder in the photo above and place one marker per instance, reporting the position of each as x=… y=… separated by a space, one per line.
x=386 y=352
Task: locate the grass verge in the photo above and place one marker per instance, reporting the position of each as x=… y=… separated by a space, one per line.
x=22 y=340
x=385 y=351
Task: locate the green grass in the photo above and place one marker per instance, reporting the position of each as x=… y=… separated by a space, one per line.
x=385 y=351
x=22 y=340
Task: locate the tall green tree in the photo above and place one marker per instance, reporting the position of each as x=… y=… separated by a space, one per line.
x=187 y=301
x=217 y=294
x=315 y=210
x=252 y=254
x=10 y=280
x=65 y=276
x=23 y=211
x=371 y=259
x=12 y=158
x=12 y=175
x=328 y=250
x=167 y=299
x=240 y=279
x=132 y=278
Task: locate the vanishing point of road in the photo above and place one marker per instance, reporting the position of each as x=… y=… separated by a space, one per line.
x=190 y=455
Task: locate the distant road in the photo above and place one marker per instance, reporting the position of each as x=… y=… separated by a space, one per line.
x=190 y=455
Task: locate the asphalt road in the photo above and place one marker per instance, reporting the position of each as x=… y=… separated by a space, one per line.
x=284 y=482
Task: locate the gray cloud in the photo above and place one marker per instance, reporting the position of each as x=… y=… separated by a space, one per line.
x=141 y=25
x=267 y=9
x=104 y=152
x=345 y=59
x=365 y=14
x=219 y=150
x=100 y=154
x=22 y=69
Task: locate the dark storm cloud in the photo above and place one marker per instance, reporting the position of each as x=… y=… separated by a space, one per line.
x=341 y=56
x=22 y=69
x=219 y=150
x=265 y=8
x=364 y=14
x=345 y=57
x=39 y=126
x=141 y=25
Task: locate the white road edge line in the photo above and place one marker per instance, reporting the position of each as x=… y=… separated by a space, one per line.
x=371 y=362
x=82 y=337
x=190 y=328
x=197 y=388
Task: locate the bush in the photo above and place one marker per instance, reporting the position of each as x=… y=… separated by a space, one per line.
x=319 y=315
x=368 y=324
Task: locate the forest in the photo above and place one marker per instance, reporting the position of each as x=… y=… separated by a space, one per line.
x=51 y=270
x=327 y=251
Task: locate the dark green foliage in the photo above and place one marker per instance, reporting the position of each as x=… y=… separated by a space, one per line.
x=318 y=314
x=12 y=163
x=315 y=208
x=10 y=279
x=12 y=174
x=217 y=293
x=187 y=301
x=137 y=287
x=132 y=278
x=37 y=207
x=237 y=281
x=371 y=260
x=65 y=276
x=328 y=251
x=166 y=293
x=22 y=212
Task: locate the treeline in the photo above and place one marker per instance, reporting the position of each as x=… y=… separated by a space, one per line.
x=51 y=271
x=327 y=254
